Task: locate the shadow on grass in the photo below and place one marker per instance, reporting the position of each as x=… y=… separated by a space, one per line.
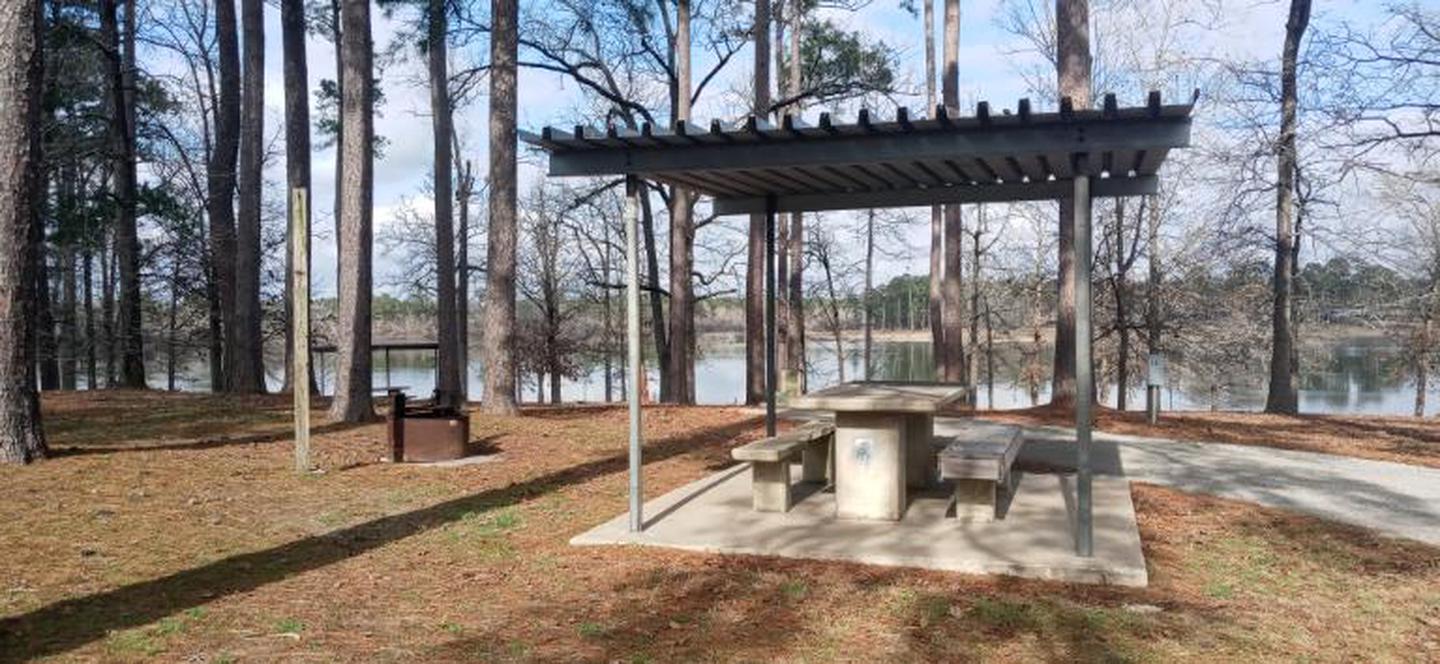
x=71 y=623
x=758 y=608
x=205 y=444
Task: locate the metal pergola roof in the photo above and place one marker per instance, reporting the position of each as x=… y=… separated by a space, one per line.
x=752 y=166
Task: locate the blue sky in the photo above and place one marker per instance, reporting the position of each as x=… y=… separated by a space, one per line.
x=989 y=70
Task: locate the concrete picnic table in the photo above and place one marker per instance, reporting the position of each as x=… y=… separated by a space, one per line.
x=883 y=433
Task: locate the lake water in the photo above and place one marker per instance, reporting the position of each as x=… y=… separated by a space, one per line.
x=1355 y=375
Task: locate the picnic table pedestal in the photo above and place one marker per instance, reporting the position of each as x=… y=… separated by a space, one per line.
x=883 y=442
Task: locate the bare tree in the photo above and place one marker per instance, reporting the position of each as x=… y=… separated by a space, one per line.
x=1073 y=67
x=679 y=386
x=352 y=402
x=1415 y=252
x=937 y=233
x=823 y=249
x=448 y=390
x=755 y=254
x=794 y=247
x=22 y=439
x=127 y=243
x=952 y=311
x=297 y=136
x=499 y=326
x=247 y=371
x=221 y=177
x=1284 y=395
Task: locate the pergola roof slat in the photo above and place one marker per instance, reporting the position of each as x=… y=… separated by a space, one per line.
x=908 y=159
x=980 y=193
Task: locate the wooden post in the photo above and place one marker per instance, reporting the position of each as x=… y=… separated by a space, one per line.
x=300 y=325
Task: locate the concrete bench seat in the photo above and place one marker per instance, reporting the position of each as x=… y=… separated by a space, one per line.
x=978 y=462
x=770 y=460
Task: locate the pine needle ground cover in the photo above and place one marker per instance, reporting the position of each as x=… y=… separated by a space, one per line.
x=170 y=528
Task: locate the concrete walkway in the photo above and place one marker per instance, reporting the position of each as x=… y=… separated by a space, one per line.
x=1393 y=498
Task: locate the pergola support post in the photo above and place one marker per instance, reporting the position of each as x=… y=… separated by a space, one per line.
x=632 y=344
x=771 y=384
x=1084 y=381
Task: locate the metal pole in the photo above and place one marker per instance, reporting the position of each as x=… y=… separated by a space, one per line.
x=1084 y=539
x=770 y=382
x=300 y=326
x=632 y=334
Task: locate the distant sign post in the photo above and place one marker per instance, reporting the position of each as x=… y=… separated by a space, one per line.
x=1154 y=380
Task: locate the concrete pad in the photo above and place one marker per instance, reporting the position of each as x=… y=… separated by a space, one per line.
x=1034 y=538
x=473 y=460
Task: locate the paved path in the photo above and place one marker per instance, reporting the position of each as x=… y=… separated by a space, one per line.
x=1393 y=498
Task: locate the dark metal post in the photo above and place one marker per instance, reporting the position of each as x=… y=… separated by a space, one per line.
x=1084 y=538
x=770 y=382
x=395 y=423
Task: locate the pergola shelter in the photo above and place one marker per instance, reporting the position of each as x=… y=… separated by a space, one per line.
x=754 y=167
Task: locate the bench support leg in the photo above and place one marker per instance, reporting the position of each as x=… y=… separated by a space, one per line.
x=815 y=461
x=771 y=486
x=975 y=501
x=920 y=466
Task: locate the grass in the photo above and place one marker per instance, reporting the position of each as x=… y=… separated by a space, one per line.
x=141 y=543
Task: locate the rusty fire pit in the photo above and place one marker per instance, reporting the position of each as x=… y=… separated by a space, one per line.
x=425 y=433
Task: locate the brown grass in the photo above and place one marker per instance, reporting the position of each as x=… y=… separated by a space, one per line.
x=1383 y=438
x=144 y=543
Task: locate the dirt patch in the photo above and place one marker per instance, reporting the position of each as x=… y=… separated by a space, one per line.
x=145 y=544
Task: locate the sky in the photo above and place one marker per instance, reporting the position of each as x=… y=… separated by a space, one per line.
x=989 y=70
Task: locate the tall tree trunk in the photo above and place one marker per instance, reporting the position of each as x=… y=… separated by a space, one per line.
x=499 y=327
x=1284 y=394
x=679 y=385
x=352 y=402
x=221 y=177
x=120 y=73
x=107 y=308
x=247 y=373
x=172 y=316
x=755 y=239
x=977 y=250
x=652 y=277
x=868 y=300
x=937 y=215
x=22 y=439
x=44 y=317
x=1422 y=357
x=463 y=194
x=794 y=273
x=1072 y=38
x=779 y=10
x=297 y=149
x=336 y=34
x=952 y=311
x=1122 y=310
x=1153 y=311
x=69 y=331
x=92 y=373
x=447 y=357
